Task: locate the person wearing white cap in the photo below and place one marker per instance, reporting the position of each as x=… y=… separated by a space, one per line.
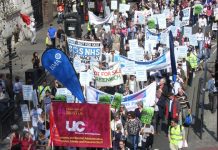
x=33 y=30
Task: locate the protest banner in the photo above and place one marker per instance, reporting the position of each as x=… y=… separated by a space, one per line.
x=80 y=125
x=110 y=77
x=93 y=95
x=84 y=48
x=187 y=31
x=27 y=91
x=181 y=51
x=177 y=21
x=157 y=64
x=147 y=115
x=161 y=20
x=91 y=4
x=139 y=17
x=113 y=4
x=146 y=95
x=93 y=19
x=193 y=40
x=25 y=112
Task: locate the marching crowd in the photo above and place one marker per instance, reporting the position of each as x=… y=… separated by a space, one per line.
x=172 y=110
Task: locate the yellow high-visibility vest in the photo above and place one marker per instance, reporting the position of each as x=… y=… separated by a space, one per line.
x=176 y=134
x=192 y=59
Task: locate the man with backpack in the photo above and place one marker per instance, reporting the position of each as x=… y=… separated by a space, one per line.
x=176 y=135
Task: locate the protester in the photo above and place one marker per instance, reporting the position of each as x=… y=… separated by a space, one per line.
x=147 y=133
x=35 y=60
x=33 y=31
x=141 y=45
x=132 y=129
x=52 y=33
x=176 y=135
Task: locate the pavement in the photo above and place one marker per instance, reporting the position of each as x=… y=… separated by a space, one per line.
x=20 y=65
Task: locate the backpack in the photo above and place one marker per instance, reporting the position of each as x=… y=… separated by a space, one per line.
x=188 y=120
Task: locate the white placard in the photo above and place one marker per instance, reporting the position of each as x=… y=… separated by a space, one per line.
x=113 y=5
x=139 y=17
x=27 y=92
x=84 y=78
x=131 y=54
x=133 y=44
x=187 y=31
x=91 y=4
x=193 y=40
x=141 y=75
x=181 y=51
x=35 y=98
x=25 y=112
x=161 y=18
x=122 y=8
x=139 y=54
x=129 y=68
x=127 y=7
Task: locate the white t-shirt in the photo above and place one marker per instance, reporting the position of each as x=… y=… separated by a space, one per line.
x=200 y=36
x=146 y=132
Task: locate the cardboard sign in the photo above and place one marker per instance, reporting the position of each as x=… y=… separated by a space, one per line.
x=187 y=31
x=84 y=78
x=25 y=112
x=113 y=5
x=91 y=4
x=27 y=92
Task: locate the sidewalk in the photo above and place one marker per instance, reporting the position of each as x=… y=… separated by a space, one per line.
x=208 y=141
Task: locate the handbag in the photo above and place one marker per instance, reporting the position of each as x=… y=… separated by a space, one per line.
x=183 y=144
x=48 y=41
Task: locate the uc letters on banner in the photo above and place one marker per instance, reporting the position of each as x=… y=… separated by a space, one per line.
x=110 y=77
x=84 y=48
x=80 y=125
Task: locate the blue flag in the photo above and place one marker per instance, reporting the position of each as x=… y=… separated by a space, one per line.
x=172 y=57
x=59 y=65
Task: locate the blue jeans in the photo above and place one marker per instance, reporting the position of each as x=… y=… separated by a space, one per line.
x=133 y=141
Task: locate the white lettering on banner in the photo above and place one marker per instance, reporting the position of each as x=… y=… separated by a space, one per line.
x=84 y=48
x=77 y=126
x=55 y=64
